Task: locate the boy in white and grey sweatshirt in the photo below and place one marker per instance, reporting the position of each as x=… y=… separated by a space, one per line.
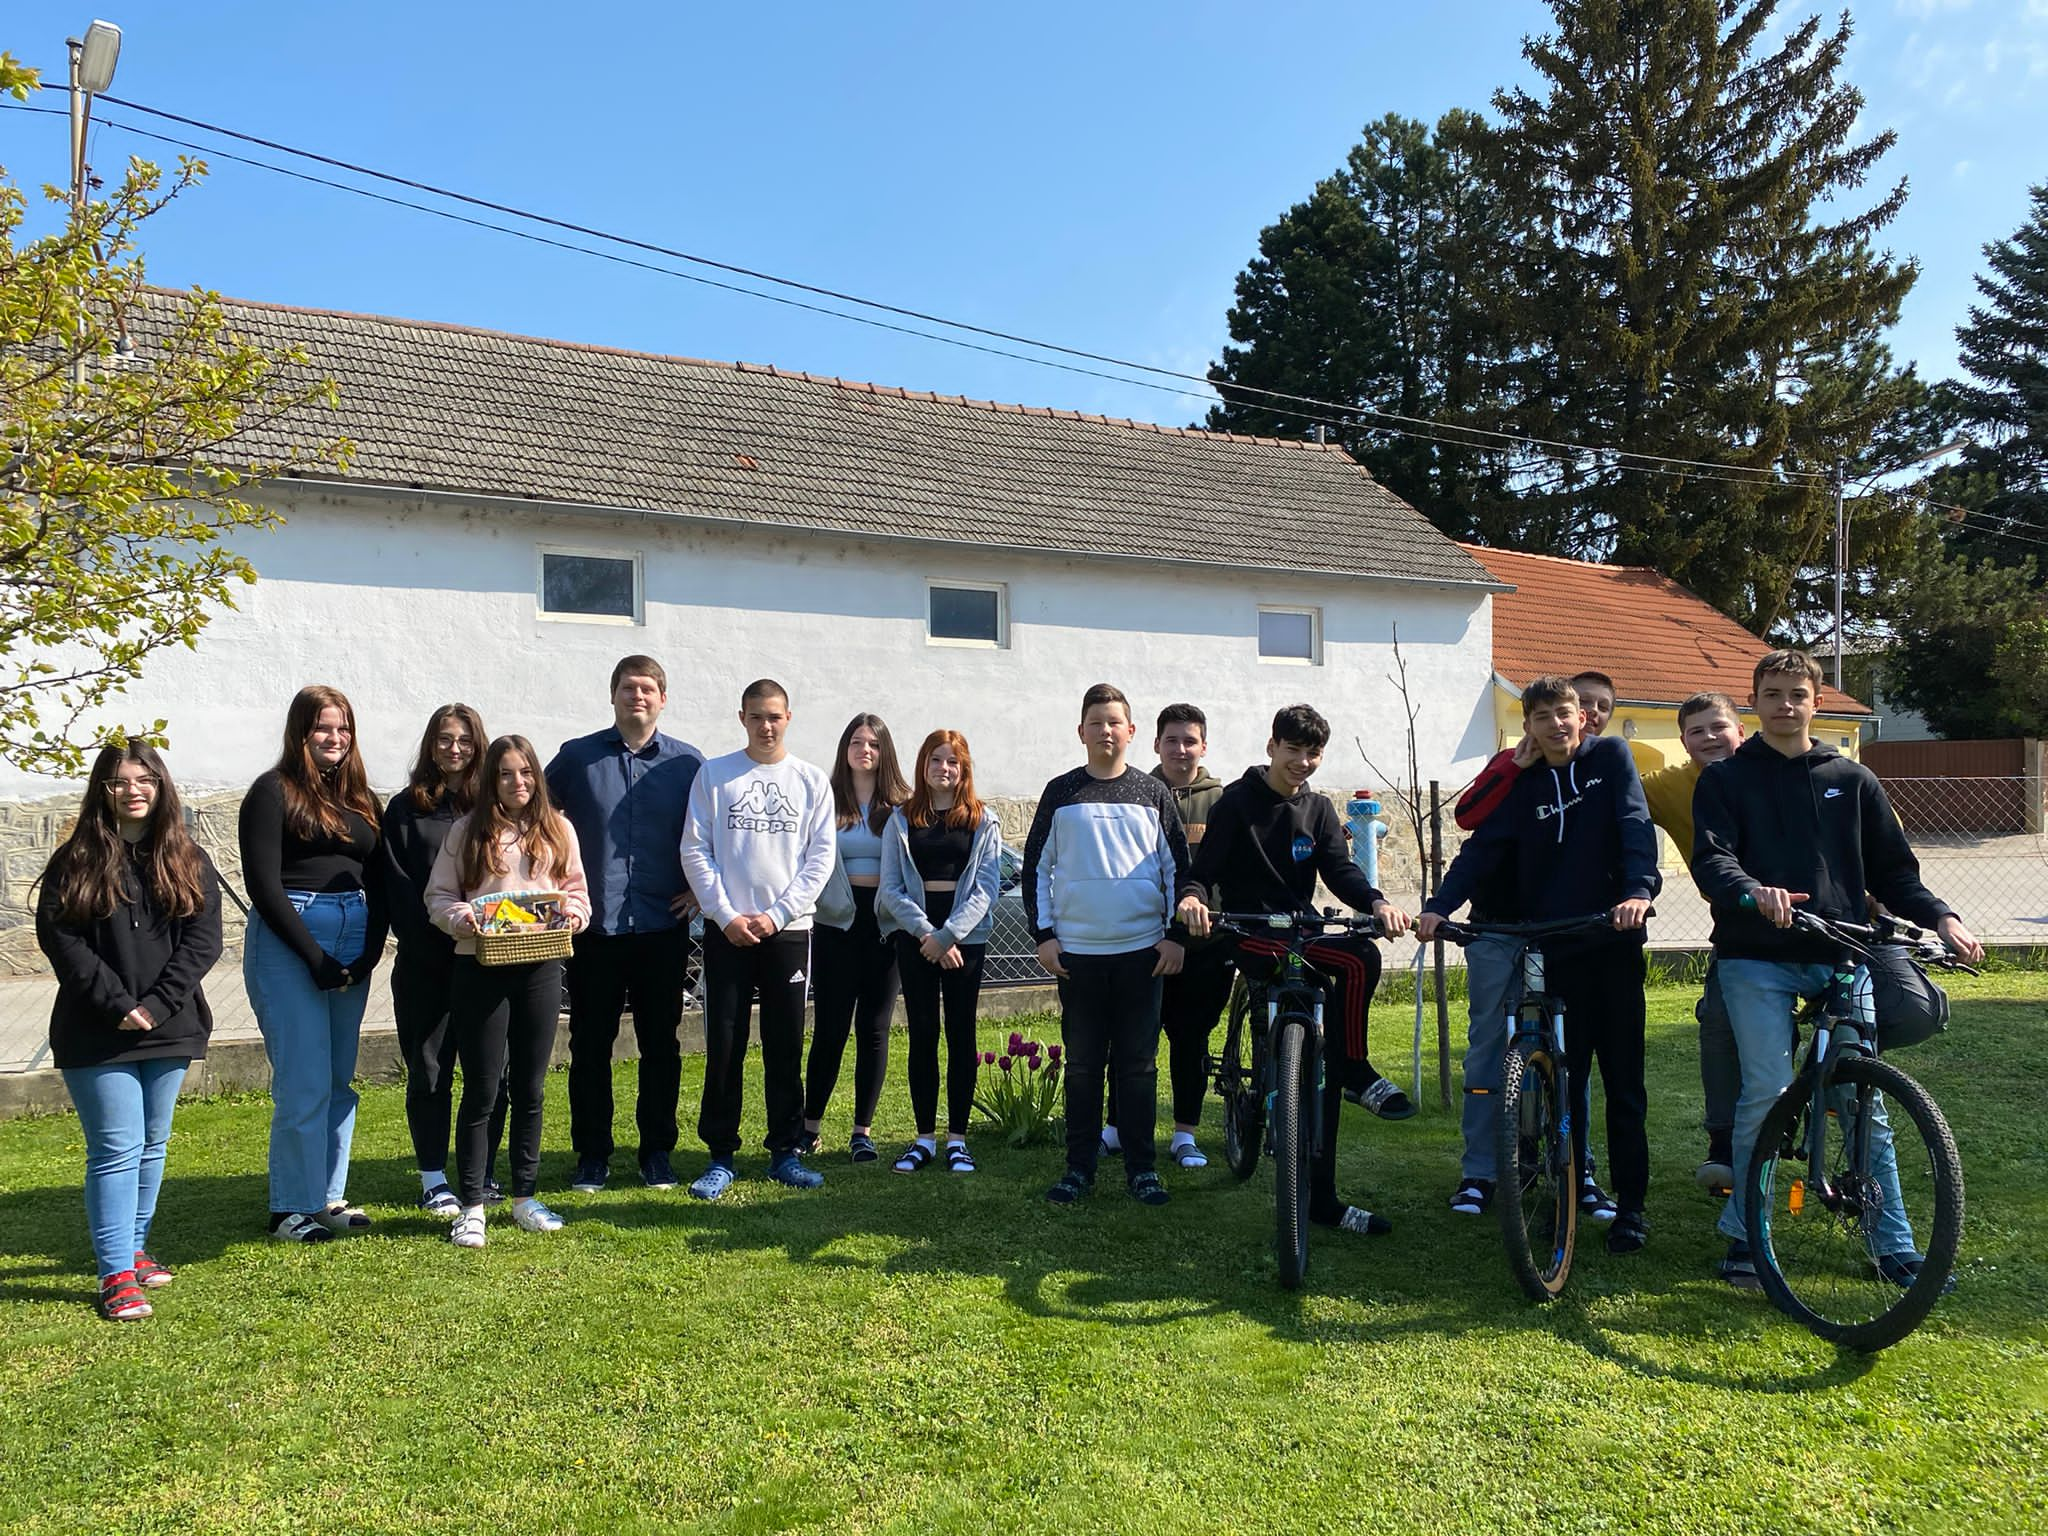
x=757 y=849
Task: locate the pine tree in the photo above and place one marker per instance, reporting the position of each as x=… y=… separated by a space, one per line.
x=1675 y=279
x=1362 y=296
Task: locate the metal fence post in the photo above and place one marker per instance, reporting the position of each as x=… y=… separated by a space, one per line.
x=1443 y=1010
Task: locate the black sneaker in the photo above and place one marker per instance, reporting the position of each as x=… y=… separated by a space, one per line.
x=1738 y=1267
x=1147 y=1190
x=1352 y=1218
x=1902 y=1269
x=1628 y=1234
x=494 y=1192
x=590 y=1175
x=655 y=1172
x=1073 y=1185
x=1473 y=1198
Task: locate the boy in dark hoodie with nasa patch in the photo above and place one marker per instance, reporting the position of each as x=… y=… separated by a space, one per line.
x=1269 y=837
x=1578 y=832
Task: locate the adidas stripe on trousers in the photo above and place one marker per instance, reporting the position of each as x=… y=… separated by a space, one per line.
x=775 y=970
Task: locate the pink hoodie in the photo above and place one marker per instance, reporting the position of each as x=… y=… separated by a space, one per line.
x=446 y=897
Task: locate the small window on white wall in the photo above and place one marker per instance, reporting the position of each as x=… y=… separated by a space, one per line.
x=590 y=584
x=966 y=613
x=1292 y=635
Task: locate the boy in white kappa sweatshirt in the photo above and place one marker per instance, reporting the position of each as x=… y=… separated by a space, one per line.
x=757 y=849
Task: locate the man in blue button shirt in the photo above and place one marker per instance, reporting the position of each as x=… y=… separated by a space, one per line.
x=626 y=790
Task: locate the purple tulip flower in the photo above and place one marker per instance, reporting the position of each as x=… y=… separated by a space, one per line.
x=1031 y=1062
x=1052 y=1053
x=988 y=1058
x=1004 y=1063
x=1016 y=1042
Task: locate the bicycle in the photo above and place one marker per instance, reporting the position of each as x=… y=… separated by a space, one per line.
x=1835 y=1193
x=1271 y=1070
x=1538 y=1202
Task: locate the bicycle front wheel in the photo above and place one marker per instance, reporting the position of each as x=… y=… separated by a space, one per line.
x=1536 y=1179
x=1294 y=1070
x=1842 y=1255
x=1238 y=1082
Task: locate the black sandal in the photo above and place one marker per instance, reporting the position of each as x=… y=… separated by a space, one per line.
x=915 y=1157
x=958 y=1158
x=862 y=1148
x=1147 y=1190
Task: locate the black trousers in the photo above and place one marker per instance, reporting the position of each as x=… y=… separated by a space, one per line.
x=1109 y=1022
x=1189 y=1006
x=853 y=991
x=776 y=970
x=1602 y=991
x=1351 y=963
x=504 y=1018
x=1720 y=1063
x=930 y=994
x=609 y=973
x=422 y=983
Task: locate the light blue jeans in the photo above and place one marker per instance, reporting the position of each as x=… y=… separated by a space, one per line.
x=1490 y=980
x=1760 y=996
x=124 y=1109
x=310 y=1037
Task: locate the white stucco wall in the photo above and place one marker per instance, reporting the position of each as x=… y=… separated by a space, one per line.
x=406 y=604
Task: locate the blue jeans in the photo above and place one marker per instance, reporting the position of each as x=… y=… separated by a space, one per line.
x=310 y=1037
x=1490 y=980
x=1760 y=996
x=124 y=1109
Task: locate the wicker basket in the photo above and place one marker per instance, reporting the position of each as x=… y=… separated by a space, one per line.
x=524 y=948
x=521 y=945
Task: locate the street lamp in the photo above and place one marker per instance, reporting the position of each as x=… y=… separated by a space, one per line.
x=92 y=70
x=1842 y=535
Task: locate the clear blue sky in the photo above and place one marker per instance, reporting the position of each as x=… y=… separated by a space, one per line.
x=1090 y=173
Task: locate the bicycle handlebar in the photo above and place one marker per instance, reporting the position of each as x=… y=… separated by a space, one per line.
x=1926 y=947
x=1308 y=924
x=1465 y=932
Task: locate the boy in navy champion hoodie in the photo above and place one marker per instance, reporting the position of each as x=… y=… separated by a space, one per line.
x=1579 y=833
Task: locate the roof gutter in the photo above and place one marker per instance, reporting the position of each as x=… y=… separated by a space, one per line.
x=1502 y=683
x=983 y=546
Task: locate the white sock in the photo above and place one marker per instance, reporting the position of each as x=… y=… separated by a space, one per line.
x=929 y=1143
x=1182 y=1139
x=1111 y=1140
x=473 y=1210
x=432 y=1179
x=955 y=1141
x=520 y=1203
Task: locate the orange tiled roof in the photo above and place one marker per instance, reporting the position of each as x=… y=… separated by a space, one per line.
x=1655 y=639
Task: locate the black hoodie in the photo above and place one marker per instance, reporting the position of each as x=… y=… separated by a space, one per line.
x=1579 y=840
x=1263 y=851
x=1816 y=823
x=135 y=956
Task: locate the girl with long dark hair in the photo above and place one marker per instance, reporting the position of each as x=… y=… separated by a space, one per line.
x=853 y=967
x=441 y=789
x=309 y=835
x=514 y=840
x=129 y=916
x=941 y=870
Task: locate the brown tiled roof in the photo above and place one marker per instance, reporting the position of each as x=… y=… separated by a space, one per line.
x=442 y=407
x=1657 y=641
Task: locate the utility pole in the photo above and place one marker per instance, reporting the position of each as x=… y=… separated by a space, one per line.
x=92 y=70
x=1841 y=569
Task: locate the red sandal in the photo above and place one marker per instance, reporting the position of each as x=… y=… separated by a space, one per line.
x=150 y=1273
x=121 y=1299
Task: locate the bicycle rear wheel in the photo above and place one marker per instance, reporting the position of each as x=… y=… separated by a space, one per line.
x=1829 y=1257
x=1536 y=1178
x=1293 y=1110
x=1239 y=1081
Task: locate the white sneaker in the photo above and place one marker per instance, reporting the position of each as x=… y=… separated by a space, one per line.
x=468 y=1231
x=532 y=1216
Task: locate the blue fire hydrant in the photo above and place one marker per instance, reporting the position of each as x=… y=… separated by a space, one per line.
x=1367 y=826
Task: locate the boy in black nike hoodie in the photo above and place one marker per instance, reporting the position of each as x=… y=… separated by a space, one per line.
x=1579 y=833
x=1269 y=837
x=1787 y=823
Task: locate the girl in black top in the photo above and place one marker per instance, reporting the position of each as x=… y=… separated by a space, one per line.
x=940 y=870
x=316 y=930
x=416 y=822
x=130 y=918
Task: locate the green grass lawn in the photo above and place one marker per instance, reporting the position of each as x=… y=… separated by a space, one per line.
x=940 y=1355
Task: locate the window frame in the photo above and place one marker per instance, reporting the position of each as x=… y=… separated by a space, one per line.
x=637 y=618
x=1314 y=615
x=1001 y=589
